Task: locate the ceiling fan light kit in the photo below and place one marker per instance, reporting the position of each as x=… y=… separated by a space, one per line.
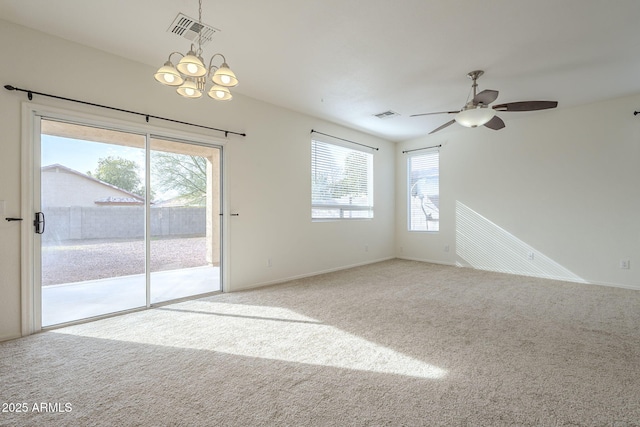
x=475 y=116
x=476 y=112
x=191 y=75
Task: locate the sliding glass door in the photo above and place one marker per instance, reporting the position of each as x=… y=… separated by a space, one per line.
x=122 y=220
x=185 y=219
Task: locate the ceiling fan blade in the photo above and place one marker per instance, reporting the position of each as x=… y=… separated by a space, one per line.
x=496 y=123
x=442 y=127
x=439 y=112
x=485 y=97
x=526 y=106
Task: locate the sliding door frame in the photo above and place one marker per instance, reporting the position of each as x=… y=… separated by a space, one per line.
x=31 y=321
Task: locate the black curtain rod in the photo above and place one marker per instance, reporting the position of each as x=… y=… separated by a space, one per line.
x=418 y=149
x=346 y=140
x=30 y=94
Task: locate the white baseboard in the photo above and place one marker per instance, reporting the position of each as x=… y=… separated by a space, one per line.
x=302 y=276
x=430 y=261
x=9 y=337
x=561 y=279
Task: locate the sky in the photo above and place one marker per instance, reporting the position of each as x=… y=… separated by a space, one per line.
x=83 y=156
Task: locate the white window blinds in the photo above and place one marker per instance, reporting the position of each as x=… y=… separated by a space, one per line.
x=424 y=191
x=341 y=182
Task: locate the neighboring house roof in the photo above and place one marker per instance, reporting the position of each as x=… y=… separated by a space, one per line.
x=127 y=199
x=180 y=201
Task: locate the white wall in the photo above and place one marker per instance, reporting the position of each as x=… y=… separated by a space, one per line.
x=563 y=184
x=268 y=172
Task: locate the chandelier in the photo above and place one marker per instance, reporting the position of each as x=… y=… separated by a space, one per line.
x=191 y=76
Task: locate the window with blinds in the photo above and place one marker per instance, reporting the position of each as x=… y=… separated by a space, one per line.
x=424 y=191
x=341 y=182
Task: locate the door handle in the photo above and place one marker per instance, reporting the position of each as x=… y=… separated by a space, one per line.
x=39 y=222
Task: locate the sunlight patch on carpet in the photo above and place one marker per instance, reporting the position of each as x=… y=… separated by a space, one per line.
x=266 y=332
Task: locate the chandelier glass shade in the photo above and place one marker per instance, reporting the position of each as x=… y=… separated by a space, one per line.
x=168 y=75
x=224 y=76
x=189 y=89
x=191 y=75
x=475 y=116
x=220 y=93
x=192 y=66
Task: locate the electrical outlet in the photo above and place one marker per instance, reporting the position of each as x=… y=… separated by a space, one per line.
x=531 y=256
x=625 y=264
x=269 y=263
x=446 y=248
x=366 y=248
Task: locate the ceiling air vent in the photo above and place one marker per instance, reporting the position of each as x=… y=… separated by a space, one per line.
x=189 y=28
x=386 y=115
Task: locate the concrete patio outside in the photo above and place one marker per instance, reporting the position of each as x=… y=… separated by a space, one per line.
x=81 y=300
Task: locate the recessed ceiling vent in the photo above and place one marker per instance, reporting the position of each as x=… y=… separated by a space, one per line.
x=189 y=28
x=386 y=115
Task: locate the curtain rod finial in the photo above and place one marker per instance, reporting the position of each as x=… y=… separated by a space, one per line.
x=9 y=87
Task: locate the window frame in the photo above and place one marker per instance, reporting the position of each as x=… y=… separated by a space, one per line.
x=410 y=223
x=344 y=210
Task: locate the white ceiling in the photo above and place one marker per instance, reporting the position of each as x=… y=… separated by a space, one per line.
x=346 y=60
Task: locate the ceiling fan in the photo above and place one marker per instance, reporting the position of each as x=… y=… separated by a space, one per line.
x=476 y=112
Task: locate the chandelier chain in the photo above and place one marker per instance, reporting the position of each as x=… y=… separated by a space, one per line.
x=200 y=32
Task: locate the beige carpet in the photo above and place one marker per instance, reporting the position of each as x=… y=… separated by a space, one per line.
x=397 y=343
